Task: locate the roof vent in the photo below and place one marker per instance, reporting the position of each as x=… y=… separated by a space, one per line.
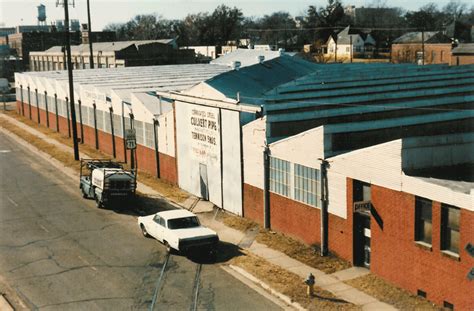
x=281 y=51
x=260 y=58
x=235 y=65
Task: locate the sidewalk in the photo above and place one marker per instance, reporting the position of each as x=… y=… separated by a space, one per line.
x=333 y=283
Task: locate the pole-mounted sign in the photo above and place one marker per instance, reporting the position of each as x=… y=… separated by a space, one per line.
x=130 y=139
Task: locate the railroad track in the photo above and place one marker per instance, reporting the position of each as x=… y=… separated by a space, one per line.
x=155 y=303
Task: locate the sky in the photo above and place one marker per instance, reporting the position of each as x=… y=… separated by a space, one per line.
x=103 y=12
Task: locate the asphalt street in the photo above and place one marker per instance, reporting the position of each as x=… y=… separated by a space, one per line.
x=59 y=252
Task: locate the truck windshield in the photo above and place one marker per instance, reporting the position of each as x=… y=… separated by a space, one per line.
x=182 y=223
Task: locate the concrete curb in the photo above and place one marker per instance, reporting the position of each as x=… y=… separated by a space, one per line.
x=5 y=304
x=275 y=293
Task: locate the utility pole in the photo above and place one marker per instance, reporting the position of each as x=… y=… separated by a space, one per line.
x=89 y=31
x=71 y=85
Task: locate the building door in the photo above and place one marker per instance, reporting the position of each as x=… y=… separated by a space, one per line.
x=203 y=181
x=362 y=234
x=362 y=240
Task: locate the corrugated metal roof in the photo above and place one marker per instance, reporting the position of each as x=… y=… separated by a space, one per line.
x=253 y=81
x=247 y=57
x=133 y=79
x=371 y=97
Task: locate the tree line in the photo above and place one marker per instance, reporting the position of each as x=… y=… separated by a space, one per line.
x=226 y=24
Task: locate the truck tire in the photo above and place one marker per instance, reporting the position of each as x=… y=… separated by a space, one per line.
x=98 y=202
x=84 y=194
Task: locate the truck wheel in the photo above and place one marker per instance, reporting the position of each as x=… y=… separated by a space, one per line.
x=84 y=194
x=98 y=203
x=145 y=234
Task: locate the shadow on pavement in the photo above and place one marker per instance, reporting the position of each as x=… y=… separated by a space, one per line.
x=224 y=252
x=330 y=299
x=141 y=206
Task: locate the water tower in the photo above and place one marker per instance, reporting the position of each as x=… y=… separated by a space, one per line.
x=41 y=14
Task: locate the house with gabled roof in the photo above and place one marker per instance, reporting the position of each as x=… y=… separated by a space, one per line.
x=350 y=42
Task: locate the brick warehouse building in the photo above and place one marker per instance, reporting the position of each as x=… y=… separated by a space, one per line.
x=295 y=104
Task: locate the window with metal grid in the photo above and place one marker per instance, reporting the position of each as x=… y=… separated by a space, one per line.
x=149 y=136
x=139 y=132
x=307 y=185
x=280 y=176
x=117 y=125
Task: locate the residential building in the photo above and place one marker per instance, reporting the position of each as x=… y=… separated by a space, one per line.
x=350 y=43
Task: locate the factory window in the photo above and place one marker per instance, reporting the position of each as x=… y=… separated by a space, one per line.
x=107 y=126
x=139 y=132
x=280 y=176
x=450 y=228
x=149 y=136
x=423 y=223
x=100 y=119
x=117 y=125
x=307 y=185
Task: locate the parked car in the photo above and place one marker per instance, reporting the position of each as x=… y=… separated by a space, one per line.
x=179 y=230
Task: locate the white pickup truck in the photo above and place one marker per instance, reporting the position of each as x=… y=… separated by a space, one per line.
x=179 y=230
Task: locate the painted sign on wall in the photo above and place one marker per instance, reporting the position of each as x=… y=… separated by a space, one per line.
x=204 y=134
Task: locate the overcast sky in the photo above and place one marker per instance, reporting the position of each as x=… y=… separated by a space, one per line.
x=24 y=12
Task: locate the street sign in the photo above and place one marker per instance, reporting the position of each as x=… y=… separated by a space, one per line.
x=130 y=139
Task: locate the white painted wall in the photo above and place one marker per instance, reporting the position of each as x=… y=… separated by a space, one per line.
x=191 y=151
x=166 y=143
x=232 y=180
x=253 y=135
x=382 y=165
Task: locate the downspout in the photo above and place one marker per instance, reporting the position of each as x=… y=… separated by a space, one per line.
x=111 y=110
x=95 y=126
x=324 y=208
x=157 y=154
x=68 y=120
x=37 y=106
x=123 y=133
x=22 y=104
x=80 y=120
x=46 y=106
x=266 y=187
x=29 y=101
x=221 y=160
x=56 y=109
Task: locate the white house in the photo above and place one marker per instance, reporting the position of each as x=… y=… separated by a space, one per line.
x=350 y=42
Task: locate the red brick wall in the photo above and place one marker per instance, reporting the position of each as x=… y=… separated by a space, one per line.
x=462 y=60
x=145 y=156
x=168 y=169
x=406 y=53
x=299 y=221
x=253 y=203
x=398 y=259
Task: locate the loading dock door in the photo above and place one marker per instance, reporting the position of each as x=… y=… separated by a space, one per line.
x=203 y=181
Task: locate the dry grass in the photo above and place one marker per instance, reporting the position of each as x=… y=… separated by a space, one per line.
x=302 y=252
x=399 y=298
x=290 y=284
x=166 y=189
x=238 y=223
x=291 y=247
